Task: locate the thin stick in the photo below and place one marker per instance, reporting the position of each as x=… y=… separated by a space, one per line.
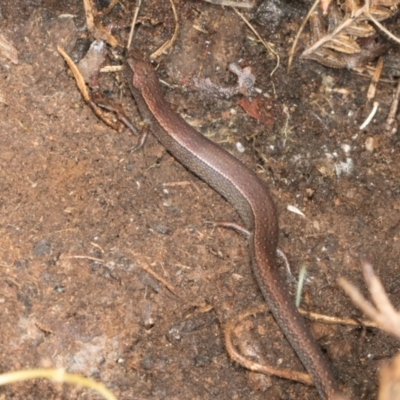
x=326 y=319
x=171 y=41
x=282 y=373
x=266 y=44
x=112 y=4
x=88 y=5
x=381 y=27
x=329 y=36
x=375 y=79
x=296 y=39
x=83 y=89
x=99 y=260
x=393 y=109
x=253 y=366
x=231 y=3
x=77 y=74
x=363 y=10
x=161 y=279
x=134 y=19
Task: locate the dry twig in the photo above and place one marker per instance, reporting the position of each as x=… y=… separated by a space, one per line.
x=253 y=366
x=93 y=22
x=238 y=4
x=375 y=79
x=391 y=126
x=134 y=19
x=162 y=280
x=337 y=45
x=296 y=39
x=265 y=44
x=385 y=315
x=84 y=91
x=171 y=41
x=266 y=369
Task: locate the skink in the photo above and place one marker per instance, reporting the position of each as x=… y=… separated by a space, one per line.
x=248 y=194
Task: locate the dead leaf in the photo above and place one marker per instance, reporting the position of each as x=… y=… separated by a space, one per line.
x=258 y=108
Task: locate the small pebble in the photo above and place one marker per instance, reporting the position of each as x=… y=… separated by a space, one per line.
x=164 y=230
x=240 y=147
x=41 y=248
x=369 y=144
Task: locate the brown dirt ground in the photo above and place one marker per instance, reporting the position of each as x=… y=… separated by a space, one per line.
x=69 y=186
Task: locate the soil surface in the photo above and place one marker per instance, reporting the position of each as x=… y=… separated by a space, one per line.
x=91 y=232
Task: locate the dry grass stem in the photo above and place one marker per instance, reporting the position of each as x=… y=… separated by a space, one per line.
x=134 y=19
x=337 y=45
x=382 y=28
x=99 y=260
x=265 y=44
x=296 y=39
x=59 y=376
x=329 y=36
x=326 y=319
x=159 y=278
x=171 y=41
